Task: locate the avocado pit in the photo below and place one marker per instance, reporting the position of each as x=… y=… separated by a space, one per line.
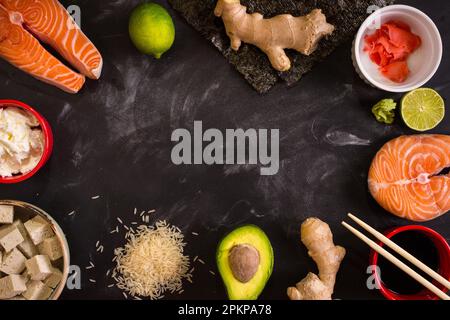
x=244 y=261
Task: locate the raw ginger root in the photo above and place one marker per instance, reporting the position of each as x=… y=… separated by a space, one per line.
x=318 y=239
x=273 y=35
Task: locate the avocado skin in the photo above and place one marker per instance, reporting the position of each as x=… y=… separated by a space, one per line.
x=251 y=235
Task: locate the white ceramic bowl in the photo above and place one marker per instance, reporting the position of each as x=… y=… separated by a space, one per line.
x=423 y=63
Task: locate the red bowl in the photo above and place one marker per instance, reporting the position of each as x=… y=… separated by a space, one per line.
x=48 y=143
x=443 y=249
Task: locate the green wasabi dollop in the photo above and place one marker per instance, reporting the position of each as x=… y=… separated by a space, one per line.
x=384 y=111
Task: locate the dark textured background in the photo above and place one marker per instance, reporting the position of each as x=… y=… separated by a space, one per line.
x=113 y=140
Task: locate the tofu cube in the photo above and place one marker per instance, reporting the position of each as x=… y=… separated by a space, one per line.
x=38 y=229
x=39 y=267
x=10 y=237
x=19 y=225
x=27 y=246
x=54 y=279
x=11 y=286
x=51 y=247
x=13 y=262
x=6 y=214
x=25 y=275
x=40 y=219
x=37 y=290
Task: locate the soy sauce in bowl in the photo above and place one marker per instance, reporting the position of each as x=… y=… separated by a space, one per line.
x=420 y=246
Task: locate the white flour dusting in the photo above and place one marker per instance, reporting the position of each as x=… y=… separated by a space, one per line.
x=341 y=138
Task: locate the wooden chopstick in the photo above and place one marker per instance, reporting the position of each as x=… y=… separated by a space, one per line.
x=405 y=254
x=397 y=263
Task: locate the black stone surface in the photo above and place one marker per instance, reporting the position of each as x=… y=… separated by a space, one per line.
x=113 y=140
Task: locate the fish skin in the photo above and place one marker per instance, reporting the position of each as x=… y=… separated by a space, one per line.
x=404 y=180
x=21 y=49
x=51 y=23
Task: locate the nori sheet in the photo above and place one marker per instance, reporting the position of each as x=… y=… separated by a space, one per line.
x=253 y=64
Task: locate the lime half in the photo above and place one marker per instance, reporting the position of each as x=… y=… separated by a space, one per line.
x=422 y=109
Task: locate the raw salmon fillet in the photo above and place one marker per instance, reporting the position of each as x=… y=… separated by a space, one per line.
x=23 y=51
x=405 y=178
x=51 y=23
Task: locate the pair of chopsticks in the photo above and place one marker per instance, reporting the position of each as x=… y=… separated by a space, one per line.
x=433 y=274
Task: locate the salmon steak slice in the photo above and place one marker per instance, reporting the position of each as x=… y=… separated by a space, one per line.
x=407 y=176
x=23 y=51
x=49 y=21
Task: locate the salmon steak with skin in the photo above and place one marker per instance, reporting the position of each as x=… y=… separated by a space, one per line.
x=407 y=176
x=22 y=21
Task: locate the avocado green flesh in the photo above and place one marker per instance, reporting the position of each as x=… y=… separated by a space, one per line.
x=255 y=237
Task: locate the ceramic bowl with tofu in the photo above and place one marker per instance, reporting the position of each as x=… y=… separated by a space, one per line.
x=34 y=255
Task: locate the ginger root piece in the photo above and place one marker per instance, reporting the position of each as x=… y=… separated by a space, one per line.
x=318 y=239
x=273 y=35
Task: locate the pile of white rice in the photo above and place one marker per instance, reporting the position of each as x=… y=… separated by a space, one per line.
x=152 y=261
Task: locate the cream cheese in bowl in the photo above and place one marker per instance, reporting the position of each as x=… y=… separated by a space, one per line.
x=21 y=142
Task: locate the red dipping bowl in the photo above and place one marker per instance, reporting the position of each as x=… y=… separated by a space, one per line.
x=443 y=250
x=48 y=143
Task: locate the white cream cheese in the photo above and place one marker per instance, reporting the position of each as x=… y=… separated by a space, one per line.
x=21 y=142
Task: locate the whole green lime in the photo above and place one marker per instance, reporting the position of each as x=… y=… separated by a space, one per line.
x=151 y=29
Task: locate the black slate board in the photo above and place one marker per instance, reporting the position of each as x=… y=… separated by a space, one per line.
x=113 y=140
x=345 y=15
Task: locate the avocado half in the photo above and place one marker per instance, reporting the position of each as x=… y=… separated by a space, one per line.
x=245 y=262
